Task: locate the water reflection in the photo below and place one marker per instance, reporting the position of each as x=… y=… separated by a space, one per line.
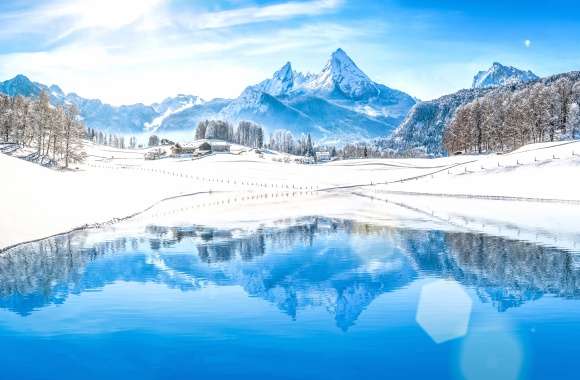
x=314 y=262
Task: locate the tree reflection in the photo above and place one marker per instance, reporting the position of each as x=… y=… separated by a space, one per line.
x=310 y=263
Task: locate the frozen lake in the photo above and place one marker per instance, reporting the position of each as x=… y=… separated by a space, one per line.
x=312 y=298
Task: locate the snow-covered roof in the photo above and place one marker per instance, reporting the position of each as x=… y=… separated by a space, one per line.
x=197 y=143
x=218 y=143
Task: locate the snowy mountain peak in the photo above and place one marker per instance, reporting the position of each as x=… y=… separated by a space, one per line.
x=500 y=75
x=342 y=74
x=281 y=82
x=341 y=63
x=285 y=70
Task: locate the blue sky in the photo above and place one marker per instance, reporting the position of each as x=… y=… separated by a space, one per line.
x=127 y=51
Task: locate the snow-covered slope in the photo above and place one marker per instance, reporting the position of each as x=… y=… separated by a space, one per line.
x=186 y=119
x=421 y=133
x=269 y=111
x=500 y=75
x=171 y=106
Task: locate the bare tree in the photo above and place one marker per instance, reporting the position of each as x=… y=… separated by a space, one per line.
x=73 y=133
x=54 y=131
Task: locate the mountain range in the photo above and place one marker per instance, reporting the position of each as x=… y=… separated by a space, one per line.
x=338 y=105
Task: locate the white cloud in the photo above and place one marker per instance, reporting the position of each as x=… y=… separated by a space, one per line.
x=249 y=15
x=69 y=16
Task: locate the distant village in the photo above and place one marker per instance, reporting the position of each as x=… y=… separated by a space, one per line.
x=221 y=137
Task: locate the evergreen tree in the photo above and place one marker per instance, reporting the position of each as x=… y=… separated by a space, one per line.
x=309 y=147
x=153 y=140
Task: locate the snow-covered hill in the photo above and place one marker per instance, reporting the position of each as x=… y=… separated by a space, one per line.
x=172 y=106
x=500 y=75
x=421 y=133
x=422 y=130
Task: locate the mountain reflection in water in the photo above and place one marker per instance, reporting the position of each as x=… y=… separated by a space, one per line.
x=316 y=262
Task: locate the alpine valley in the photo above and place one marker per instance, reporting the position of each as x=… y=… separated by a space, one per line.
x=340 y=104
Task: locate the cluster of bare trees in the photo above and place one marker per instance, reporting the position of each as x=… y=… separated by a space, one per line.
x=362 y=150
x=98 y=137
x=504 y=120
x=246 y=133
x=54 y=131
x=283 y=141
x=249 y=134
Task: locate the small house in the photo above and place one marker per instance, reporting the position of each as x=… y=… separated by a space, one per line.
x=155 y=154
x=304 y=160
x=181 y=149
x=203 y=147
x=322 y=156
x=220 y=146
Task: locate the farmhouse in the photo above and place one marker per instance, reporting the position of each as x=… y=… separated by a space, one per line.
x=200 y=147
x=155 y=154
x=219 y=146
x=322 y=156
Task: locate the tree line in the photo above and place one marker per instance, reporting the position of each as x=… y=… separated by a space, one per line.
x=282 y=140
x=112 y=140
x=246 y=133
x=506 y=119
x=54 y=131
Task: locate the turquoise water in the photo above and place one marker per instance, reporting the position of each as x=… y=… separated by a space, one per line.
x=318 y=299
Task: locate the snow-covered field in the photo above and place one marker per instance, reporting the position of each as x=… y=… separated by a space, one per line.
x=233 y=189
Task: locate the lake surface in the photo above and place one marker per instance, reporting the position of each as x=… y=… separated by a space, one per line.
x=312 y=299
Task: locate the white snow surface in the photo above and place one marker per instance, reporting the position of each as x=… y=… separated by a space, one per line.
x=255 y=189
